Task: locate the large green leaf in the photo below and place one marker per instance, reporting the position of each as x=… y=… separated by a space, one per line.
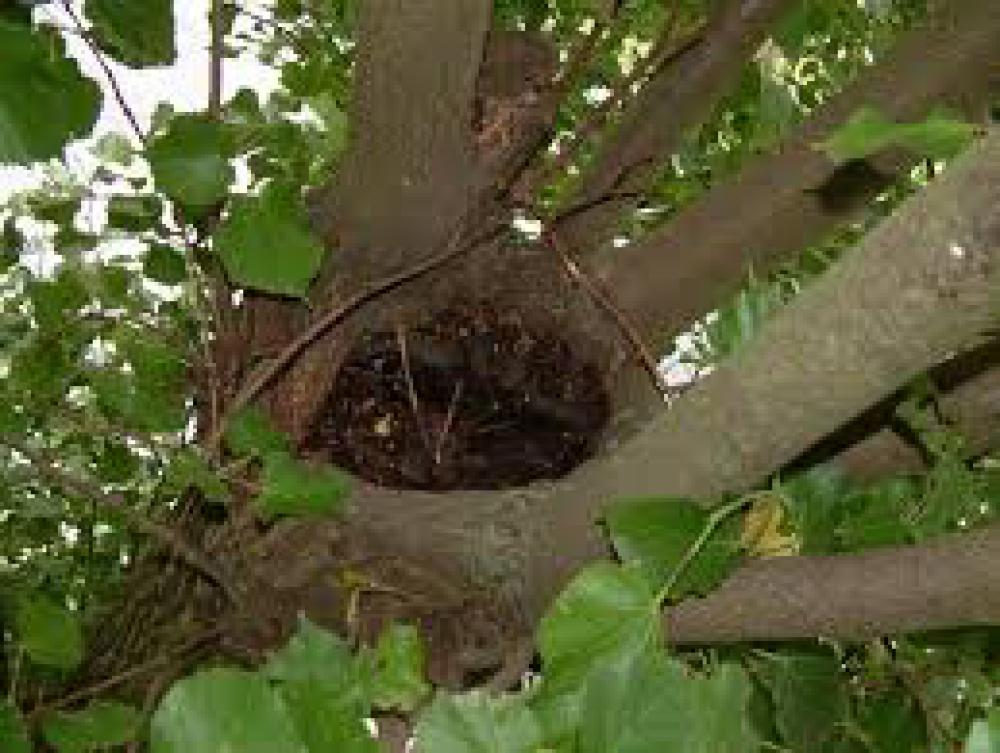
x=894 y=723
x=250 y=432
x=137 y=34
x=190 y=161
x=399 y=669
x=13 y=733
x=656 y=533
x=189 y=469
x=152 y=396
x=54 y=302
x=291 y=487
x=221 y=710
x=49 y=633
x=868 y=131
x=476 y=723
x=265 y=243
x=651 y=705
x=44 y=100
x=326 y=689
x=607 y=612
x=101 y=725
x=809 y=697
x=164 y=264
x=42 y=367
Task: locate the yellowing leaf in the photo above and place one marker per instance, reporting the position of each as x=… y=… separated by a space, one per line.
x=762 y=534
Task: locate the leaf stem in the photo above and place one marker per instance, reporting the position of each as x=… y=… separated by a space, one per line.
x=714 y=520
x=116 y=89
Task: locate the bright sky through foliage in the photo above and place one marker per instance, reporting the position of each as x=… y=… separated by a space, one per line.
x=184 y=85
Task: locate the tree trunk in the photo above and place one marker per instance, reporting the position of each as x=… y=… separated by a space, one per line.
x=422 y=174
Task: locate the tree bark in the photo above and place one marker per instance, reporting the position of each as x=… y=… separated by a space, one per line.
x=690 y=264
x=945 y=583
x=678 y=98
x=410 y=170
x=921 y=286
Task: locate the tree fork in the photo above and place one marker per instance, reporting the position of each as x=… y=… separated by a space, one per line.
x=899 y=303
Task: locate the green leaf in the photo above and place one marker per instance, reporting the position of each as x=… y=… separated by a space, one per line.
x=476 y=723
x=134 y=213
x=189 y=469
x=42 y=367
x=250 y=432
x=291 y=487
x=984 y=736
x=137 y=34
x=651 y=705
x=265 y=243
x=55 y=208
x=606 y=612
x=868 y=131
x=190 y=161
x=116 y=463
x=559 y=712
x=49 y=633
x=894 y=723
x=13 y=733
x=809 y=697
x=141 y=405
x=399 y=669
x=152 y=397
x=164 y=264
x=114 y=148
x=223 y=710
x=44 y=100
x=877 y=516
x=815 y=504
x=656 y=533
x=940 y=136
x=313 y=654
x=326 y=689
x=56 y=301
x=103 y=724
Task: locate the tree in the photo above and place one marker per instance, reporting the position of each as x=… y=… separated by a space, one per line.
x=364 y=417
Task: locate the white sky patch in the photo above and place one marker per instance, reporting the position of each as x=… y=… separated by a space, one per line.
x=597 y=95
x=527 y=226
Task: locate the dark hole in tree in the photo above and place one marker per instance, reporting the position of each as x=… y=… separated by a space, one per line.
x=480 y=401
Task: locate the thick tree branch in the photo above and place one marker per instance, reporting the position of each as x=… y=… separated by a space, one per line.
x=950 y=582
x=699 y=257
x=679 y=97
x=409 y=172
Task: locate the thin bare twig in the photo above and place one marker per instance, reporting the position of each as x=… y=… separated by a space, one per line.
x=259 y=379
x=411 y=388
x=639 y=348
x=448 y=419
x=116 y=89
x=121 y=678
x=215 y=61
x=72 y=484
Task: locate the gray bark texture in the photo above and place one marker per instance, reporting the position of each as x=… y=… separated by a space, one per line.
x=921 y=287
x=780 y=202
